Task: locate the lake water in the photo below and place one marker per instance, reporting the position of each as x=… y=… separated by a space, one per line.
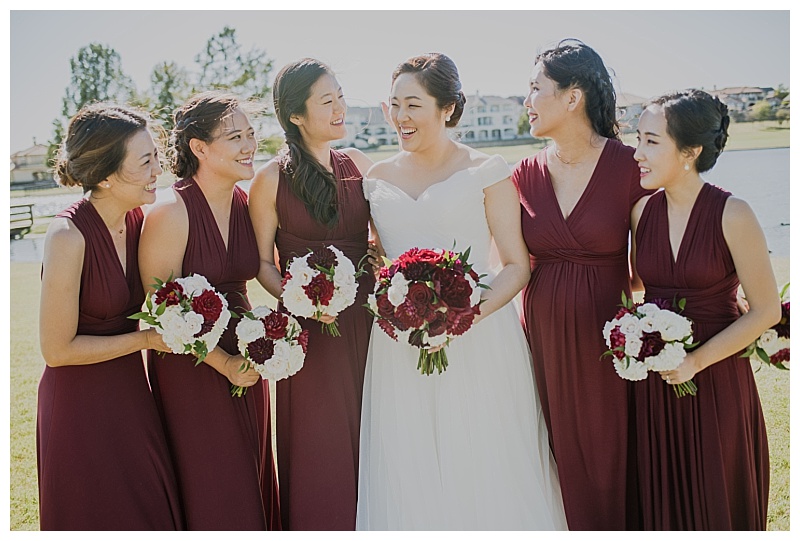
x=760 y=177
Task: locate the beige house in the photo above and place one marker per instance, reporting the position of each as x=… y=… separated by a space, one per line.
x=29 y=168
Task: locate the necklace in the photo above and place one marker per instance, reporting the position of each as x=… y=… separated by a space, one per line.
x=562 y=160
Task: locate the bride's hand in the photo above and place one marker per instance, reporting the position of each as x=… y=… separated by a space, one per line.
x=374 y=256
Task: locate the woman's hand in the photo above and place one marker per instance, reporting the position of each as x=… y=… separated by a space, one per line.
x=685 y=371
x=741 y=301
x=324 y=318
x=237 y=376
x=374 y=256
x=155 y=341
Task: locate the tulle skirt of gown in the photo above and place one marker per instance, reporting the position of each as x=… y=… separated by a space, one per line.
x=463 y=450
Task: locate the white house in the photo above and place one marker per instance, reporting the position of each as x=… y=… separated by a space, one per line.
x=742 y=98
x=29 y=168
x=490 y=118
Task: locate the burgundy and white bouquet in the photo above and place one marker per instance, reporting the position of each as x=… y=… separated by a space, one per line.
x=188 y=313
x=772 y=347
x=321 y=283
x=649 y=337
x=273 y=343
x=427 y=297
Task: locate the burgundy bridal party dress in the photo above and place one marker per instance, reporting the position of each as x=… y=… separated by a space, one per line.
x=580 y=269
x=102 y=457
x=220 y=444
x=703 y=460
x=319 y=408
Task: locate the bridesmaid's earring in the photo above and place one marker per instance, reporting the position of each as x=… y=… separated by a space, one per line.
x=686 y=167
x=447 y=119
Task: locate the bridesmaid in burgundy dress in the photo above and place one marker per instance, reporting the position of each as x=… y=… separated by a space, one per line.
x=102 y=457
x=703 y=460
x=310 y=197
x=576 y=198
x=220 y=444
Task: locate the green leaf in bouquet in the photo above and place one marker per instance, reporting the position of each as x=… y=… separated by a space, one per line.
x=386 y=261
x=249 y=315
x=626 y=302
x=234 y=315
x=784 y=289
x=780 y=366
x=763 y=355
x=200 y=350
x=748 y=351
x=161 y=308
x=682 y=304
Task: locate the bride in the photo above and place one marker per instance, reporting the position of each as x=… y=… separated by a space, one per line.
x=466 y=449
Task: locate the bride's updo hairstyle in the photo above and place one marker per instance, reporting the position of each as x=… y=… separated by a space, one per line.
x=96 y=143
x=309 y=180
x=696 y=119
x=438 y=75
x=200 y=118
x=573 y=64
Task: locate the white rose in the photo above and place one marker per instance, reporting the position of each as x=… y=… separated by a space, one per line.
x=635 y=371
x=249 y=330
x=194 y=322
x=647 y=324
x=769 y=342
x=607 y=328
x=629 y=325
x=632 y=346
x=373 y=303
x=648 y=309
x=296 y=359
x=673 y=326
x=277 y=368
x=261 y=311
x=297 y=302
x=301 y=272
x=398 y=289
x=668 y=358
x=194 y=284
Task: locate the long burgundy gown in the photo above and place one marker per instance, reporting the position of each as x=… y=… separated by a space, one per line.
x=319 y=408
x=580 y=269
x=220 y=444
x=703 y=460
x=102 y=457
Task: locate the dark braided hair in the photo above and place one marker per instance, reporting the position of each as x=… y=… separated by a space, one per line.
x=95 y=144
x=573 y=64
x=696 y=119
x=309 y=180
x=199 y=118
x=438 y=74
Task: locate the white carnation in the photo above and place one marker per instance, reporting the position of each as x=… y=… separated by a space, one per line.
x=668 y=358
x=398 y=290
x=769 y=342
x=373 y=303
x=607 y=328
x=194 y=284
x=249 y=330
x=261 y=311
x=648 y=309
x=632 y=346
x=635 y=371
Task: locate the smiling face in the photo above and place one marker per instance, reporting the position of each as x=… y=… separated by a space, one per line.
x=323 y=120
x=545 y=104
x=135 y=181
x=660 y=161
x=230 y=154
x=415 y=114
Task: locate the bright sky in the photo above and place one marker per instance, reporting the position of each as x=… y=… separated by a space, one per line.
x=651 y=51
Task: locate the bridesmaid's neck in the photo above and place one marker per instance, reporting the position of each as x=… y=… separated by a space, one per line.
x=577 y=143
x=215 y=189
x=321 y=150
x=110 y=209
x=682 y=192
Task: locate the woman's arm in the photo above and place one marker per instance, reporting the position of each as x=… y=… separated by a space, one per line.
x=362 y=161
x=748 y=247
x=636 y=214
x=59 y=307
x=264 y=215
x=505 y=223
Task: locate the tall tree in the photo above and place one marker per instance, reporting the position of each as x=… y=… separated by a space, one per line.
x=96 y=76
x=169 y=88
x=224 y=65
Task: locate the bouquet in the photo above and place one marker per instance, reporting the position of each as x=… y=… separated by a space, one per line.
x=323 y=282
x=427 y=297
x=188 y=313
x=272 y=343
x=649 y=337
x=772 y=347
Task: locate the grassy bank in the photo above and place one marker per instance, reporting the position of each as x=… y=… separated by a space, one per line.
x=27 y=365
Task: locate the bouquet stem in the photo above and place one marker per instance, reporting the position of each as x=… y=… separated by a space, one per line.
x=238 y=391
x=331 y=329
x=687 y=387
x=428 y=361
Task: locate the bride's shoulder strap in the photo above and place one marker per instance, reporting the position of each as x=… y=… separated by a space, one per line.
x=492 y=171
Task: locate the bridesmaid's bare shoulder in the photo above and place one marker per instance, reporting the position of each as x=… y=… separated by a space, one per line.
x=362 y=161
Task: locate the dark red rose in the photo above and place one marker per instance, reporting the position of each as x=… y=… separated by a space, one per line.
x=617 y=340
x=452 y=287
x=319 y=290
x=275 y=325
x=286 y=278
x=460 y=323
x=261 y=350
x=621 y=312
x=652 y=344
x=171 y=292
x=208 y=305
x=302 y=339
x=408 y=315
x=387 y=328
x=438 y=324
x=781 y=356
x=324 y=257
x=421 y=296
x=782 y=328
x=385 y=307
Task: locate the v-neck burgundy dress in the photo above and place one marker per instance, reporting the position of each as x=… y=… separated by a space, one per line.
x=102 y=457
x=703 y=460
x=221 y=444
x=319 y=408
x=580 y=268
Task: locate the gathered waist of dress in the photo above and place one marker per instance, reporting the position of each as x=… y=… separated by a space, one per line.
x=582 y=257
x=289 y=245
x=106 y=326
x=709 y=305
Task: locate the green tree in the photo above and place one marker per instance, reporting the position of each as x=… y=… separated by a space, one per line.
x=781 y=92
x=169 y=88
x=782 y=115
x=224 y=65
x=523 y=124
x=96 y=76
x=762 y=110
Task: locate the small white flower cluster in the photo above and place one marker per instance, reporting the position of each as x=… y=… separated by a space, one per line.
x=288 y=355
x=297 y=301
x=771 y=343
x=675 y=331
x=179 y=325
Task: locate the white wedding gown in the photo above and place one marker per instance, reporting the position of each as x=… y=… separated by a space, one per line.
x=466 y=449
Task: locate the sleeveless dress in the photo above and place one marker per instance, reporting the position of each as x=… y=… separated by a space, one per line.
x=466 y=449
x=319 y=408
x=102 y=457
x=220 y=444
x=580 y=269
x=703 y=460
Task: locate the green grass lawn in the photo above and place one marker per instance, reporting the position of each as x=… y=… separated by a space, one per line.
x=27 y=365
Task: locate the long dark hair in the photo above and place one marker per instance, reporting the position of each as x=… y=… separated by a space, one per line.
x=309 y=180
x=696 y=119
x=573 y=64
x=438 y=75
x=96 y=144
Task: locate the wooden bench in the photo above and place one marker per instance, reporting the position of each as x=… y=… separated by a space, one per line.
x=21 y=220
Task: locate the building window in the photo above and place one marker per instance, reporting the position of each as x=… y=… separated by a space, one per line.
x=495 y=134
x=485 y=121
x=494 y=108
